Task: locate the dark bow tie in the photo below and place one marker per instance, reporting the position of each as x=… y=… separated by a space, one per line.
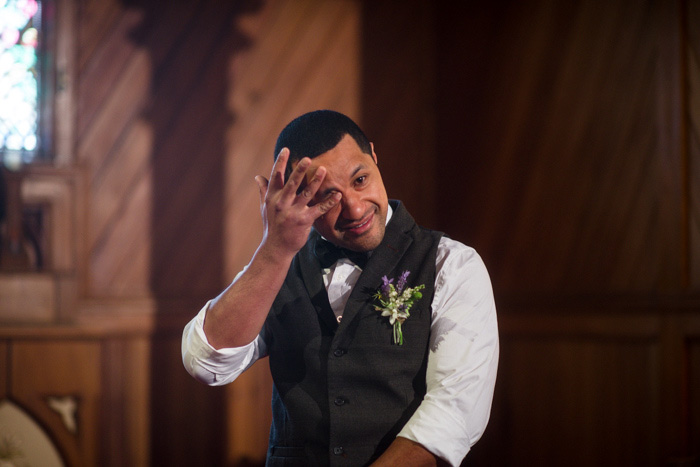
x=328 y=254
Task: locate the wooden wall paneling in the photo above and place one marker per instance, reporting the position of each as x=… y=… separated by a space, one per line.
x=28 y=298
x=122 y=216
x=689 y=329
x=398 y=103
x=113 y=375
x=692 y=67
x=566 y=187
x=572 y=188
x=114 y=83
x=190 y=119
x=56 y=191
x=674 y=389
x=137 y=402
x=111 y=100
x=30 y=295
x=694 y=398
x=670 y=144
x=62 y=368
x=48 y=293
x=694 y=211
x=128 y=211
x=125 y=420
x=187 y=418
x=139 y=50
x=4 y=369
x=576 y=389
x=127 y=95
x=283 y=73
x=127 y=67
x=315 y=41
x=103 y=56
x=96 y=20
x=250 y=416
x=595 y=402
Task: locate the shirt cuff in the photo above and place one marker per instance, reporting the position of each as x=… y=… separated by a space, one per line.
x=209 y=365
x=451 y=448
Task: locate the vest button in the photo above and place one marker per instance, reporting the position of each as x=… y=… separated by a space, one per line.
x=338 y=450
x=339 y=352
x=339 y=401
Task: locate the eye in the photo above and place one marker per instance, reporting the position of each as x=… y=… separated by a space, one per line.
x=361 y=180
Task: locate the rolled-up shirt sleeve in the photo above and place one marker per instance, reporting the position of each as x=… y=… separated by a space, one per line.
x=463 y=357
x=209 y=365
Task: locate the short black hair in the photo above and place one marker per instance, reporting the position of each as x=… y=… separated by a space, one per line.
x=317 y=132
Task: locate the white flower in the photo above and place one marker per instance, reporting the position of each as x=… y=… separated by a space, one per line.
x=396 y=301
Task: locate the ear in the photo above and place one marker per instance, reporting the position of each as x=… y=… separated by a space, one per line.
x=374 y=155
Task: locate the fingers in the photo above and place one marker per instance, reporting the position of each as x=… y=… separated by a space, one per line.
x=307 y=194
x=290 y=194
x=326 y=205
x=277 y=177
x=278 y=169
x=297 y=176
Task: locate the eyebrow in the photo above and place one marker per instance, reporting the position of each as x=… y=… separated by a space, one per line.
x=357 y=169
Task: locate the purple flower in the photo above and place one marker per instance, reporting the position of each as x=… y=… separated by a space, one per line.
x=402 y=281
x=385 y=286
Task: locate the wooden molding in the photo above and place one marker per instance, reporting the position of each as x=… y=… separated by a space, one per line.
x=47 y=295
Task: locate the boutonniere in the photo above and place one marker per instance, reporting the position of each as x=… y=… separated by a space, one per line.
x=396 y=301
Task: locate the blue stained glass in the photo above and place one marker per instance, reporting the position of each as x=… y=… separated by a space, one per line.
x=19 y=77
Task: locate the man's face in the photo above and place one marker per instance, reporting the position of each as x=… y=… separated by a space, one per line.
x=357 y=222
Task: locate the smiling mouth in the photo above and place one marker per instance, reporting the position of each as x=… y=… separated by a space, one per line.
x=360 y=228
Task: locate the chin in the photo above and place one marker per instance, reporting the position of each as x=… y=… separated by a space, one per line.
x=365 y=243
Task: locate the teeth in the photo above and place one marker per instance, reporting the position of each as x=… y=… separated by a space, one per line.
x=358 y=225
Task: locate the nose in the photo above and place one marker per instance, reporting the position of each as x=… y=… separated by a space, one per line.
x=353 y=207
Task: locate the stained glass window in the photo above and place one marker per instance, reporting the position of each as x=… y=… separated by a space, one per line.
x=20 y=80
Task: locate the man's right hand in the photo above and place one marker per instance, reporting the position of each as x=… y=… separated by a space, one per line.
x=287 y=215
x=235 y=317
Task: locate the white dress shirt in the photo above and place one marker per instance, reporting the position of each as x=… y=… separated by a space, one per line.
x=462 y=361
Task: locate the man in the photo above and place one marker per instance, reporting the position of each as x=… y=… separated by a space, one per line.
x=355 y=380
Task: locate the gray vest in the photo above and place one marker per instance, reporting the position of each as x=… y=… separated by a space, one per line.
x=343 y=391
